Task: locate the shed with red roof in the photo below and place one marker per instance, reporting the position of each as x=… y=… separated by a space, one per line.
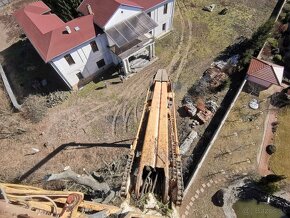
x=265 y=73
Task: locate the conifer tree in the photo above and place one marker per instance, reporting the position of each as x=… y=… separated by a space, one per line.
x=65 y=9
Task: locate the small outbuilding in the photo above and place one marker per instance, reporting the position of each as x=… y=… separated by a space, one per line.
x=264 y=74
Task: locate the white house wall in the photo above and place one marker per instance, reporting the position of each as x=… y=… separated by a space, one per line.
x=160 y=18
x=85 y=61
x=122 y=13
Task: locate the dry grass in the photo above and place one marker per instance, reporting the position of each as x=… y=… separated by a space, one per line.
x=239 y=136
x=236 y=148
x=90 y=115
x=280 y=161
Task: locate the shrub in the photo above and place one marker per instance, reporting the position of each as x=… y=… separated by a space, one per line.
x=282 y=15
x=256 y=42
x=286 y=18
x=286 y=7
x=247 y=56
x=34 y=108
x=273 y=42
x=271 y=149
x=278 y=59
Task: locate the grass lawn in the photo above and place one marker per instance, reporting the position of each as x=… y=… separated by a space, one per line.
x=280 y=161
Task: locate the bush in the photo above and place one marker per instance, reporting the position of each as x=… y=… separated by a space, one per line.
x=278 y=59
x=271 y=149
x=286 y=8
x=286 y=18
x=256 y=42
x=34 y=108
x=273 y=42
x=247 y=56
x=282 y=16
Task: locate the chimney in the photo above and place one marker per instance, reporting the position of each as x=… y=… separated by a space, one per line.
x=89 y=9
x=68 y=29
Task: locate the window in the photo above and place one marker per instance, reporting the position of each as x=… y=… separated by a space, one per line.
x=101 y=63
x=94 y=46
x=149 y=14
x=80 y=75
x=151 y=33
x=164 y=27
x=165 y=9
x=69 y=59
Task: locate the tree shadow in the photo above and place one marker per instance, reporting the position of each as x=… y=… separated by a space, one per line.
x=240 y=45
x=71 y=145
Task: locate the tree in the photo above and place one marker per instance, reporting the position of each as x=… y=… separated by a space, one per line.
x=256 y=42
x=65 y=9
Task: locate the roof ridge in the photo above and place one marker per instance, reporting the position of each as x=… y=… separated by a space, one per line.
x=275 y=74
x=133 y=4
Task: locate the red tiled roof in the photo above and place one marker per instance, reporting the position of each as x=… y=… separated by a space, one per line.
x=47 y=32
x=265 y=71
x=147 y=4
x=37 y=7
x=104 y=9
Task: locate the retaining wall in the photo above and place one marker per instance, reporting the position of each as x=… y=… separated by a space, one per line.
x=9 y=90
x=216 y=133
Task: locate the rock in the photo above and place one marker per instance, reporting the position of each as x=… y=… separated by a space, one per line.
x=35 y=150
x=224 y=11
x=126 y=207
x=185 y=146
x=209 y=8
x=66 y=168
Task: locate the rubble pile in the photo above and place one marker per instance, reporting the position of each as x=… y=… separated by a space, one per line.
x=56 y=98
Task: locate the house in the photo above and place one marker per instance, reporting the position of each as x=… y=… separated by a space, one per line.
x=110 y=32
x=263 y=74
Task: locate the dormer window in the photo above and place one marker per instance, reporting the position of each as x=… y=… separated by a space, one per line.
x=165 y=8
x=149 y=14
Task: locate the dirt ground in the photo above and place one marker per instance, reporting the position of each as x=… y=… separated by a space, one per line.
x=107 y=118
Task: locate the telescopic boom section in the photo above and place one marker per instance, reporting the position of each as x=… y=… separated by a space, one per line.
x=157 y=166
